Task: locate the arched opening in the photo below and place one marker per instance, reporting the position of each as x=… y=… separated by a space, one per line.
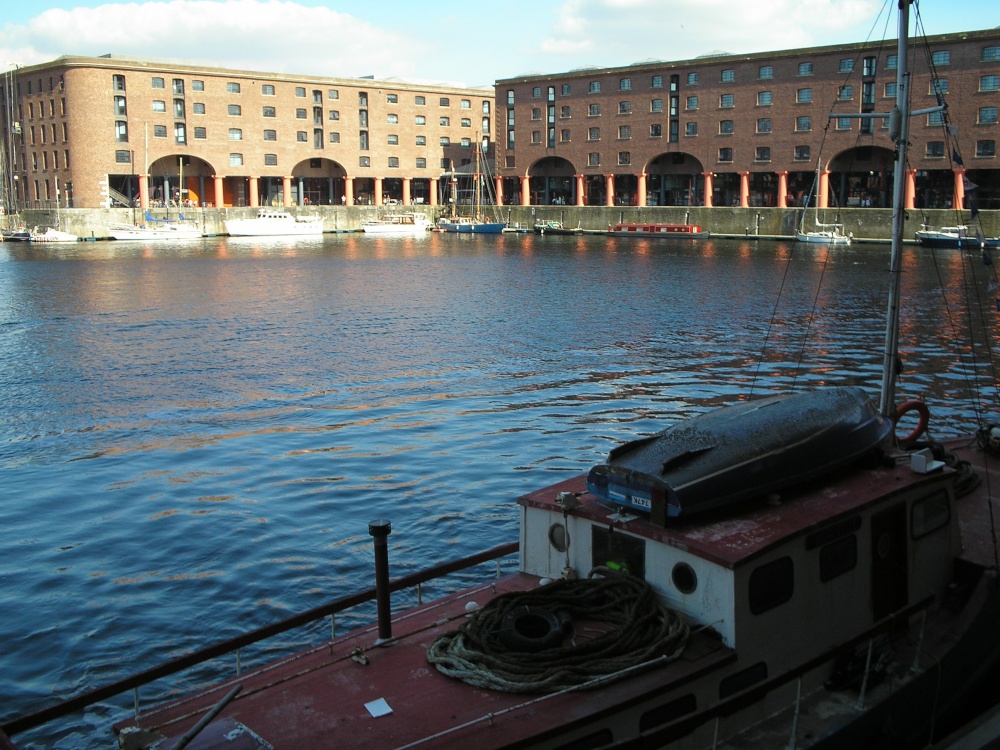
x=552 y=181
x=317 y=181
x=862 y=177
x=674 y=179
x=174 y=181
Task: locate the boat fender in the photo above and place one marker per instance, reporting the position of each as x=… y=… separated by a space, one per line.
x=532 y=629
x=923 y=414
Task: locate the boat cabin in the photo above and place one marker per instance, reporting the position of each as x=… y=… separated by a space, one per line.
x=813 y=567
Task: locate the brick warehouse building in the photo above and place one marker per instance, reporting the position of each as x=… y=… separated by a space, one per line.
x=106 y=131
x=745 y=130
x=749 y=130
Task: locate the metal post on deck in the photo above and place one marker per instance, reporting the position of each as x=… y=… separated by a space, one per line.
x=864 y=681
x=380 y=531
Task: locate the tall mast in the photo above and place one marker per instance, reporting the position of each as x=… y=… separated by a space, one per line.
x=899 y=125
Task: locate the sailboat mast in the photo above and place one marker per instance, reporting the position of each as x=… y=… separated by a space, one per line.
x=899 y=125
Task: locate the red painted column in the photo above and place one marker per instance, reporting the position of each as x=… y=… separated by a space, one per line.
x=286 y=191
x=824 y=189
x=144 y=191
x=958 y=199
x=498 y=189
x=744 y=190
x=348 y=190
x=406 y=191
x=377 y=198
x=709 y=192
x=910 y=188
x=642 y=189
x=782 y=189
x=434 y=191
x=525 y=191
x=581 y=198
x=220 y=193
x=609 y=187
x=254 y=193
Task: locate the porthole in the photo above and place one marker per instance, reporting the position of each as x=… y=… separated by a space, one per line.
x=684 y=578
x=558 y=537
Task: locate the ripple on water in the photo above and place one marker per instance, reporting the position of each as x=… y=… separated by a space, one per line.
x=193 y=441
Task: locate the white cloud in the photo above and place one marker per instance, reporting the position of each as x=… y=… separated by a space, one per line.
x=265 y=35
x=619 y=32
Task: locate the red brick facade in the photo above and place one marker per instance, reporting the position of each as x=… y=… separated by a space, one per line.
x=748 y=123
x=93 y=126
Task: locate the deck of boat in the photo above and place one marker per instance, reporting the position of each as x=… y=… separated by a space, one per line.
x=318 y=698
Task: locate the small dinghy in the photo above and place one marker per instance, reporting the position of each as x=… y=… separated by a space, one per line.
x=739 y=452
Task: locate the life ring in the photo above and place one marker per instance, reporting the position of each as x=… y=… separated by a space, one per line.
x=531 y=629
x=923 y=414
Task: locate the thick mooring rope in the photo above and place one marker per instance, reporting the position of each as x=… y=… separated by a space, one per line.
x=643 y=630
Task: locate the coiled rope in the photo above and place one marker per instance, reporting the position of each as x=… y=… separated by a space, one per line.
x=642 y=630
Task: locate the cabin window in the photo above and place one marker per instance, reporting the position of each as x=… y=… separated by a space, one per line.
x=929 y=514
x=668 y=712
x=740 y=681
x=771 y=585
x=838 y=558
x=684 y=578
x=558 y=537
x=618 y=551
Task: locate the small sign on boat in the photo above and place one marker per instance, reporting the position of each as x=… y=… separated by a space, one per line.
x=378 y=707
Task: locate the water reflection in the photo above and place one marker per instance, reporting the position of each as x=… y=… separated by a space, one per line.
x=196 y=434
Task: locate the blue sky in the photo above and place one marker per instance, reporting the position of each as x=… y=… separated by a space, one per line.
x=463 y=43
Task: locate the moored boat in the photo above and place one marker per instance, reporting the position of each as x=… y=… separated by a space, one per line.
x=639 y=229
x=274 y=223
x=164 y=231
x=824 y=233
x=554 y=227
x=954 y=237
x=469 y=225
x=18 y=234
x=834 y=236
x=403 y=223
x=50 y=234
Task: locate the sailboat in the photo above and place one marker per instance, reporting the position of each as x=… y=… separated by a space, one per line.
x=824 y=234
x=51 y=234
x=477 y=223
x=785 y=572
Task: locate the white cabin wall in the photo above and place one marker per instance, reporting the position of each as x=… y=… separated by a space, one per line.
x=710 y=604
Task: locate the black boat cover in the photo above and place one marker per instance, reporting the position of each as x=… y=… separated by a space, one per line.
x=739 y=452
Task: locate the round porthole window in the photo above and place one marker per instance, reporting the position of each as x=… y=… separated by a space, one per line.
x=684 y=578
x=558 y=537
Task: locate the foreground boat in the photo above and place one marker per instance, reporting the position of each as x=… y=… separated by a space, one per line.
x=678 y=231
x=784 y=572
x=272 y=223
x=398 y=224
x=954 y=237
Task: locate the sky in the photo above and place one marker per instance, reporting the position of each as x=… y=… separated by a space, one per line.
x=471 y=43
